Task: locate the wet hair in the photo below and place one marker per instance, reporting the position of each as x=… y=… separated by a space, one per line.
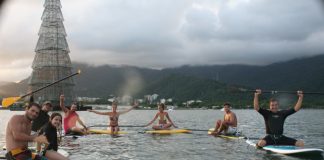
x=114 y=103
x=227 y=104
x=273 y=100
x=162 y=105
x=33 y=104
x=54 y=115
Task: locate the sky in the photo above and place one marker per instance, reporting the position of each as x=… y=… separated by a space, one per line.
x=166 y=33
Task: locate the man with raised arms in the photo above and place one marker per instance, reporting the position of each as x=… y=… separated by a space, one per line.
x=18 y=135
x=274 y=121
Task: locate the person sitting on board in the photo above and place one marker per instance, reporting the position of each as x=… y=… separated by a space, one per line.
x=114 y=116
x=70 y=119
x=274 y=121
x=50 y=131
x=229 y=125
x=163 y=117
x=18 y=134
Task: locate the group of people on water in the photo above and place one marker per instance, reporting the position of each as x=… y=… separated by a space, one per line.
x=37 y=126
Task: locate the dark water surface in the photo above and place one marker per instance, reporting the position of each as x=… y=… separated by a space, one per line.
x=306 y=124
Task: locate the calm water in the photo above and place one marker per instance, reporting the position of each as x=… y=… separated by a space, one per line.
x=306 y=124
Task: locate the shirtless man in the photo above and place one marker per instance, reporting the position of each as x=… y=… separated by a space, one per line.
x=18 y=135
x=228 y=125
x=114 y=116
x=163 y=117
x=274 y=120
x=70 y=119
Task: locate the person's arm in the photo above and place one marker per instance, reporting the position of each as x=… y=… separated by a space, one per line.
x=300 y=100
x=256 y=99
x=19 y=135
x=129 y=109
x=167 y=115
x=156 y=116
x=97 y=112
x=80 y=122
x=64 y=109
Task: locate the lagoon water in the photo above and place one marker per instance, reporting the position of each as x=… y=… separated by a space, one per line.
x=305 y=124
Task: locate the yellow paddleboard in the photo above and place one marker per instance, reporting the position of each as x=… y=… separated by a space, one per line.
x=169 y=131
x=102 y=131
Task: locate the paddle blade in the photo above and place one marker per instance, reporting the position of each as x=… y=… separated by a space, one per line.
x=6 y=102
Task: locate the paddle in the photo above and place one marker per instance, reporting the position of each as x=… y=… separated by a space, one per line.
x=277 y=92
x=6 y=102
x=104 y=125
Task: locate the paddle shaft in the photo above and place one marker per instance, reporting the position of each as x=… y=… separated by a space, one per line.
x=287 y=92
x=50 y=84
x=118 y=126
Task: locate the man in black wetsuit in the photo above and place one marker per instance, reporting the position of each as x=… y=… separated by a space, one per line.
x=274 y=121
x=43 y=117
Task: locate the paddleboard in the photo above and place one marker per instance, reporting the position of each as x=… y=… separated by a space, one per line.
x=102 y=131
x=169 y=131
x=4 y=151
x=225 y=136
x=288 y=150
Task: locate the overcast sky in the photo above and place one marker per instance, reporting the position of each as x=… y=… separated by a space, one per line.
x=166 y=33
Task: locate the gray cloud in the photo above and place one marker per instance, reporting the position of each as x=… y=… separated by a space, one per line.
x=168 y=33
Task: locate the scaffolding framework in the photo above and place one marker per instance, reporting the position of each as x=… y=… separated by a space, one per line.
x=52 y=61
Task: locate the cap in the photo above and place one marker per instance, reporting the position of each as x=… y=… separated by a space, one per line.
x=47 y=103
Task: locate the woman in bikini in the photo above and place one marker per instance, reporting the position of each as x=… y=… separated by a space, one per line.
x=163 y=117
x=113 y=116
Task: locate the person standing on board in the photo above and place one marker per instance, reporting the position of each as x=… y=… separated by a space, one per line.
x=163 y=117
x=229 y=125
x=114 y=116
x=18 y=135
x=70 y=119
x=274 y=121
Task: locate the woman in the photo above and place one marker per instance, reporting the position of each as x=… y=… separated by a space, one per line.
x=163 y=117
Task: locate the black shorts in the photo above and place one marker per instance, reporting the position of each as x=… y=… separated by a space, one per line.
x=72 y=133
x=279 y=140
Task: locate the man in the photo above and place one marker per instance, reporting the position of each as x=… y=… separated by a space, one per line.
x=70 y=119
x=229 y=125
x=43 y=116
x=274 y=121
x=18 y=135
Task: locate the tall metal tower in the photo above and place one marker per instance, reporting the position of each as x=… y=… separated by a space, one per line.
x=52 y=61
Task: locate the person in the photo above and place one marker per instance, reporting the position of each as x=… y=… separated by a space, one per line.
x=50 y=131
x=163 y=117
x=274 y=121
x=70 y=119
x=229 y=125
x=114 y=116
x=43 y=116
x=18 y=134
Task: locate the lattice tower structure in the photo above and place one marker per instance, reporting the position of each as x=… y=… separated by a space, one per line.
x=52 y=61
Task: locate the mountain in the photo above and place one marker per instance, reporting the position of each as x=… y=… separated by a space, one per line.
x=303 y=73
x=208 y=83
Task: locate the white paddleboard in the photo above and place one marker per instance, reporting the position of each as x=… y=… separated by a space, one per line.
x=289 y=150
x=60 y=150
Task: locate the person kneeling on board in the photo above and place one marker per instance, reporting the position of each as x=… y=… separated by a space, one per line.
x=50 y=131
x=162 y=119
x=229 y=125
x=274 y=121
x=18 y=135
x=114 y=116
